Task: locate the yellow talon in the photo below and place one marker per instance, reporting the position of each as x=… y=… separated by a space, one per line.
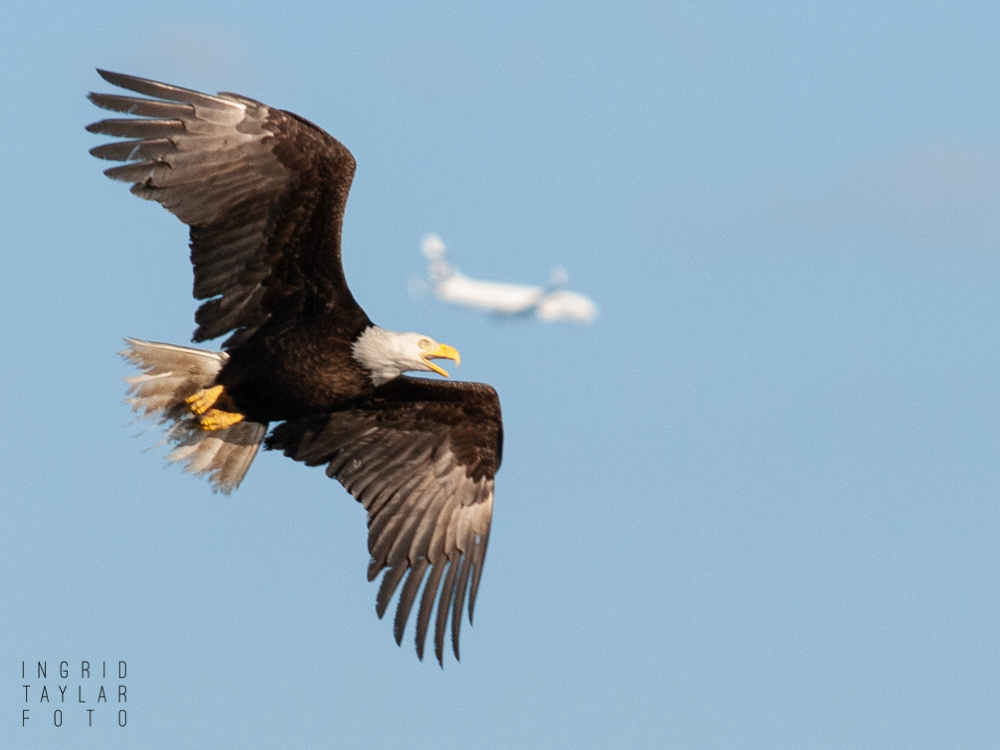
x=216 y=419
x=203 y=400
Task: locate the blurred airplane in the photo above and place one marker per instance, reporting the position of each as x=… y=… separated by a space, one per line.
x=551 y=303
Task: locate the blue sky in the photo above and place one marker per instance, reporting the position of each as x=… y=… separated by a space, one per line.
x=753 y=505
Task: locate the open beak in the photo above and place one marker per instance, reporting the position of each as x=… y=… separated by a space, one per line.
x=441 y=351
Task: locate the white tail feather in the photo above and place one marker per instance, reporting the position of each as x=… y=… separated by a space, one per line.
x=169 y=375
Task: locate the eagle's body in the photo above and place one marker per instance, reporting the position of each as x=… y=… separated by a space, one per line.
x=283 y=372
x=263 y=192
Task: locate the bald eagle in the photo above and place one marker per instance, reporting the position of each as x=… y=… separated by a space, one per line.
x=263 y=192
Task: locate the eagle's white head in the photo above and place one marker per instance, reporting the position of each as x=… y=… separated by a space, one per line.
x=388 y=354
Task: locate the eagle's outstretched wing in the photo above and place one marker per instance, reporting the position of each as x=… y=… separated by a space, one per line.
x=420 y=455
x=262 y=190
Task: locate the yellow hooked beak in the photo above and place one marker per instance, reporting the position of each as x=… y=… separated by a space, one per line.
x=440 y=351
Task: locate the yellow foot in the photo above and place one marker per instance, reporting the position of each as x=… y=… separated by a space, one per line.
x=216 y=419
x=203 y=400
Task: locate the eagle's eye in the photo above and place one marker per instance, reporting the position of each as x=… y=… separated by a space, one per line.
x=424 y=343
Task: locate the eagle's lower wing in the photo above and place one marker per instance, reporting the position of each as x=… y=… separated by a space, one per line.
x=420 y=455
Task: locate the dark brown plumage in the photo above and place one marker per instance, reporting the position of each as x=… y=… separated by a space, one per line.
x=263 y=192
